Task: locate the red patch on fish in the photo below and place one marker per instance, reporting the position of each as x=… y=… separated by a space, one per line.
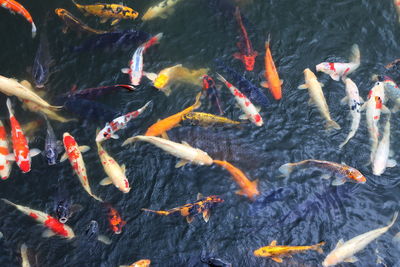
x=33 y=215
x=257 y=118
x=55 y=226
x=126 y=183
x=378 y=102
x=332 y=66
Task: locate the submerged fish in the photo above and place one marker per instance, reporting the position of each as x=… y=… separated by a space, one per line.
x=88 y=109
x=92 y=234
x=276 y=253
x=91 y=93
x=381 y=158
x=162 y=10
x=71 y=22
x=15 y=7
x=206 y=119
x=139 y=263
x=24 y=256
x=52 y=146
x=272 y=81
x=345 y=173
x=215 y=262
x=5 y=165
x=392 y=91
x=212 y=92
x=115 y=220
x=41 y=65
x=63 y=207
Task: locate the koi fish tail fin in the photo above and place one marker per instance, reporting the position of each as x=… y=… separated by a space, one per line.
x=393 y=220
x=160 y=212
x=286 y=169
x=221 y=78
x=140 y=110
x=318 y=248
x=351 y=134
x=33 y=30
x=153 y=40
x=127 y=87
x=355 y=56
x=9 y=202
x=268 y=41
x=96 y=197
x=130 y=140
x=197 y=103
x=332 y=124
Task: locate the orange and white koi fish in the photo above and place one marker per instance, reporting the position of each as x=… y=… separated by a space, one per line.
x=54 y=226
x=73 y=153
x=16 y=7
x=140 y=263
x=272 y=81
x=248 y=188
x=276 y=253
x=381 y=157
x=22 y=155
x=5 y=165
x=250 y=111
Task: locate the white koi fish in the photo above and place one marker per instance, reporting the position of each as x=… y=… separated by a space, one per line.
x=381 y=158
x=135 y=69
x=118 y=123
x=162 y=10
x=116 y=173
x=73 y=153
x=355 y=102
x=250 y=111
x=5 y=165
x=341 y=70
x=183 y=151
x=344 y=251
x=317 y=97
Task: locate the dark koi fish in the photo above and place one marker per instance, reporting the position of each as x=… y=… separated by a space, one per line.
x=63 y=207
x=91 y=93
x=41 y=65
x=202 y=205
x=52 y=147
x=212 y=92
x=74 y=23
x=115 y=220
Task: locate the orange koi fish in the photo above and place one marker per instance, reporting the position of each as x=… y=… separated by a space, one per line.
x=202 y=205
x=16 y=7
x=249 y=188
x=22 y=155
x=5 y=165
x=140 y=263
x=115 y=220
x=54 y=226
x=162 y=126
x=271 y=74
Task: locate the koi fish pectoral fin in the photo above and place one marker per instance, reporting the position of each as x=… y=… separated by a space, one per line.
x=326 y=176
x=273 y=243
x=243 y=117
x=115 y=21
x=84 y=149
x=237 y=55
x=335 y=76
x=277 y=259
x=104 y=239
x=344 y=100
x=351 y=259
x=206 y=215
x=115 y=136
x=105 y=181
x=48 y=233
x=150 y=75
x=34 y=152
x=302 y=87
x=189 y=219
x=338 y=181
x=64 y=157
x=181 y=163
x=385 y=109
x=391 y=163
x=104 y=20
x=264 y=84
x=165 y=135
x=126 y=70
x=10 y=157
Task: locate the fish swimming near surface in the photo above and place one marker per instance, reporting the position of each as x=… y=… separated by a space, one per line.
x=344 y=251
x=276 y=253
x=392 y=91
x=355 y=103
x=317 y=98
x=42 y=62
x=119 y=123
x=63 y=207
x=341 y=70
x=108 y=11
x=161 y=10
x=250 y=111
x=15 y=7
x=92 y=233
x=184 y=151
x=92 y=93
x=247 y=55
x=215 y=262
x=212 y=92
x=73 y=153
x=248 y=188
x=164 y=125
x=52 y=147
x=206 y=119
x=381 y=158
x=139 y=263
x=272 y=81
x=53 y=225
x=115 y=220
x=5 y=165
x=202 y=205
x=73 y=23
x=21 y=152
x=343 y=172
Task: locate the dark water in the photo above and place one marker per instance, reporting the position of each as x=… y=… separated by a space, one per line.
x=300 y=210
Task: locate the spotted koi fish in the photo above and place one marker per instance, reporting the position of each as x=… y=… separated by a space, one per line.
x=73 y=153
x=140 y=263
x=71 y=22
x=108 y=11
x=5 y=165
x=135 y=69
x=250 y=111
x=22 y=155
x=53 y=225
x=115 y=220
x=247 y=55
x=118 y=123
x=14 y=6
x=272 y=81
x=202 y=205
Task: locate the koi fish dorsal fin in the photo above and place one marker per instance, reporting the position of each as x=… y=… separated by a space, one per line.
x=339 y=243
x=199 y=196
x=206 y=215
x=189 y=219
x=123 y=167
x=273 y=243
x=277 y=259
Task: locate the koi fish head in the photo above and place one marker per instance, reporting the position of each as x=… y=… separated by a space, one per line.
x=142 y=263
x=51 y=156
x=25 y=166
x=330 y=260
x=378 y=102
x=202 y=158
x=308 y=74
x=325 y=67
x=356 y=176
x=92 y=230
x=161 y=81
x=262 y=252
x=130 y=13
x=104 y=134
x=62 y=212
x=249 y=61
x=68 y=140
x=60 y=12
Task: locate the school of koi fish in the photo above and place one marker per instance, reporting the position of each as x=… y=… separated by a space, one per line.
x=218 y=88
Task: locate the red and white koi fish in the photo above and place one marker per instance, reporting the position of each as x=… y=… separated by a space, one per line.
x=54 y=226
x=250 y=111
x=135 y=69
x=381 y=158
x=73 y=153
x=22 y=155
x=118 y=123
x=338 y=70
x=5 y=165
x=16 y=7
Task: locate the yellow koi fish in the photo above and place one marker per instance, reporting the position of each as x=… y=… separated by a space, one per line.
x=162 y=10
x=205 y=119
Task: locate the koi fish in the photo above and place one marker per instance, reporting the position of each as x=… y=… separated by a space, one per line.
x=344 y=251
x=162 y=10
x=213 y=261
x=355 y=102
x=13 y=87
x=272 y=81
x=397 y=6
x=276 y=253
x=381 y=158
x=71 y=22
x=140 y=263
x=317 y=98
x=91 y=93
x=135 y=69
x=164 y=125
x=205 y=119
x=63 y=207
x=116 y=173
x=118 y=123
x=21 y=153
x=5 y=165
x=212 y=92
x=14 y=6
x=183 y=151
x=115 y=220
x=250 y=111
x=345 y=173
x=392 y=91
x=42 y=62
x=341 y=70
x=24 y=256
x=73 y=153
x=108 y=11
x=248 y=188
x=53 y=225
x=202 y=205
x=92 y=234
x=52 y=146
x=247 y=55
